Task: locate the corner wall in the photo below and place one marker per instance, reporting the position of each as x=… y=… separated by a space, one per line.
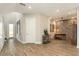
x=77 y=27
x=2 y=40
x=41 y=24
x=32 y=28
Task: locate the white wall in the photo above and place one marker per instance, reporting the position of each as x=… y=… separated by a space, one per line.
x=32 y=27
x=41 y=24
x=27 y=28
x=22 y=30
x=2 y=39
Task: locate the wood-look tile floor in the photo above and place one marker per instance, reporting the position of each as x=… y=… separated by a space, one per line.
x=54 y=48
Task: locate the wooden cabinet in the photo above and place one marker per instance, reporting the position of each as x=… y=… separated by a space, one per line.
x=60 y=36
x=45 y=39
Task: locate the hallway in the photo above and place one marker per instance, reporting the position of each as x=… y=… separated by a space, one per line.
x=54 y=48
x=36 y=25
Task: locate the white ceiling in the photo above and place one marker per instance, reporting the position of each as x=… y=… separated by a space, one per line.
x=12 y=17
x=49 y=9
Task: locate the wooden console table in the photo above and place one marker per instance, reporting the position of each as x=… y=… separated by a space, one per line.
x=60 y=36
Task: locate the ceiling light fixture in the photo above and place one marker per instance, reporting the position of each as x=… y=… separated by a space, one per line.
x=29 y=7
x=57 y=10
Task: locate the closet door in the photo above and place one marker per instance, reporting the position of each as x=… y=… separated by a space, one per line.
x=30 y=29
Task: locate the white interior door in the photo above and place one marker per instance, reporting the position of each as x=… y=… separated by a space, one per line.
x=30 y=30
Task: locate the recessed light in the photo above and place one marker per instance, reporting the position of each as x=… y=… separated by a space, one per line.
x=73 y=17
x=29 y=7
x=58 y=10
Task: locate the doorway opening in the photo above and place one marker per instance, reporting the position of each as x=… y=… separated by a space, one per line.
x=11 y=35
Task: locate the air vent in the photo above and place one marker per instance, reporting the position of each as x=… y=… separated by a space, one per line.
x=22 y=4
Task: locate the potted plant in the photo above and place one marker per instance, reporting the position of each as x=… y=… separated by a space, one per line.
x=45 y=37
x=45 y=32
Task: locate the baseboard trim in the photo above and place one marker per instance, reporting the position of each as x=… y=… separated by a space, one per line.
x=23 y=42
x=38 y=42
x=32 y=42
x=20 y=41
